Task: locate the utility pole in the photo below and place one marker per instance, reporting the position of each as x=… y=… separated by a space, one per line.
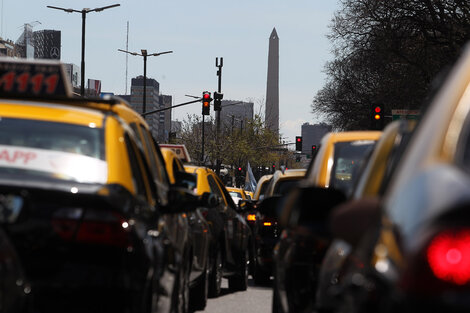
x=84 y=12
x=217 y=112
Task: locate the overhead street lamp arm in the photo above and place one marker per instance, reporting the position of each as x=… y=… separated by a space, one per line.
x=132 y=53
x=64 y=9
x=160 y=53
x=104 y=8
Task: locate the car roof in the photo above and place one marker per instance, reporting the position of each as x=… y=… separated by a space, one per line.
x=52 y=111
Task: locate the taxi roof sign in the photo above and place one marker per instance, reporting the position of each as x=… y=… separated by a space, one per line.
x=37 y=78
x=180 y=150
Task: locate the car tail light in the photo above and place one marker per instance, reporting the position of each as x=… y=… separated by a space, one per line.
x=267 y=223
x=92 y=226
x=448 y=255
x=251 y=217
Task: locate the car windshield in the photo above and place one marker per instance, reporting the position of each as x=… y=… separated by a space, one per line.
x=48 y=150
x=235 y=194
x=348 y=160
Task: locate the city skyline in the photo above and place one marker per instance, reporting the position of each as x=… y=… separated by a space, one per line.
x=197 y=33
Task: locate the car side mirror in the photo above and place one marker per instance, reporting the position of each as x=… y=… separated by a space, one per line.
x=307 y=205
x=350 y=220
x=245 y=205
x=209 y=200
x=186 y=180
x=10 y=208
x=180 y=199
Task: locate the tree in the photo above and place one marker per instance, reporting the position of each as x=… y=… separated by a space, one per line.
x=388 y=53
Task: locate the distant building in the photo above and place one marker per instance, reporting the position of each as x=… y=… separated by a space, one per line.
x=8 y=48
x=164 y=118
x=312 y=135
x=47 y=44
x=235 y=113
x=73 y=73
x=159 y=122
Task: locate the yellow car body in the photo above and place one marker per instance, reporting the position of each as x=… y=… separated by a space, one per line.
x=263 y=183
x=322 y=171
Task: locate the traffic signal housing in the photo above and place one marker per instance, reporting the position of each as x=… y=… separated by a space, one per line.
x=218 y=101
x=206 y=103
x=298 y=143
x=314 y=150
x=377 y=119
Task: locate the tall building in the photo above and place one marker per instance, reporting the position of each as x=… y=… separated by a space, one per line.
x=272 y=88
x=47 y=44
x=312 y=135
x=159 y=122
x=235 y=113
x=164 y=118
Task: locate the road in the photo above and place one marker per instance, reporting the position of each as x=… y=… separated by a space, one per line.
x=255 y=299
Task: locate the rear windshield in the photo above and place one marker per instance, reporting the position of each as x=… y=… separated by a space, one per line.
x=348 y=161
x=285 y=185
x=45 y=149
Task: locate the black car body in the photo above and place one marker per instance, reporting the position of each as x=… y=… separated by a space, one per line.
x=231 y=235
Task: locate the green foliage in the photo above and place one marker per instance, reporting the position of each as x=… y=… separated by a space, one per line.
x=247 y=140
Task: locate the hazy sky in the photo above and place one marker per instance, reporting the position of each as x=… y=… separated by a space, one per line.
x=197 y=32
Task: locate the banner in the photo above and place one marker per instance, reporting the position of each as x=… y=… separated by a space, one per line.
x=250 y=181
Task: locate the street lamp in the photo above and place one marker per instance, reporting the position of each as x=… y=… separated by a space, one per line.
x=145 y=55
x=84 y=12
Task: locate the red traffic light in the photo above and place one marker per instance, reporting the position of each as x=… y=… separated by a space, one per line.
x=377 y=109
x=240 y=169
x=298 y=139
x=206 y=96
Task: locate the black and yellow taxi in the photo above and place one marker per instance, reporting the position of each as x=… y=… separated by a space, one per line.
x=416 y=256
x=230 y=248
x=304 y=239
x=367 y=192
x=200 y=235
x=80 y=203
x=267 y=230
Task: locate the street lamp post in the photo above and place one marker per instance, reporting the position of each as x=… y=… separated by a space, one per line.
x=83 y=12
x=145 y=55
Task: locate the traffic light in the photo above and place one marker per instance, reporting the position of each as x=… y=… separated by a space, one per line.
x=377 y=120
x=206 y=102
x=218 y=101
x=298 y=143
x=314 y=150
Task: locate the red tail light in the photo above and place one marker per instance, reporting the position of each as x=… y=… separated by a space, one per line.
x=92 y=226
x=448 y=256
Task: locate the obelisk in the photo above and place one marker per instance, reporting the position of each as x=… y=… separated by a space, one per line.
x=272 y=89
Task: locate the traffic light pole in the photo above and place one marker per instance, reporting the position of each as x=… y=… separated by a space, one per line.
x=202 y=143
x=217 y=113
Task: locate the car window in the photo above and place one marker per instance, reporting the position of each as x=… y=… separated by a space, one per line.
x=348 y=160
x=235 y=194
x=284 y=186
x=137 y=175
x=58 y=151
x=263 y=189
x=214 y=186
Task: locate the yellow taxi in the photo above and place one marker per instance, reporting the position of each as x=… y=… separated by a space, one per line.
x=90 y=202
x=237 y=194
x=173 y=163
x=261 y=186
x=230 y=249
x=340 y=157
x=304 y=239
